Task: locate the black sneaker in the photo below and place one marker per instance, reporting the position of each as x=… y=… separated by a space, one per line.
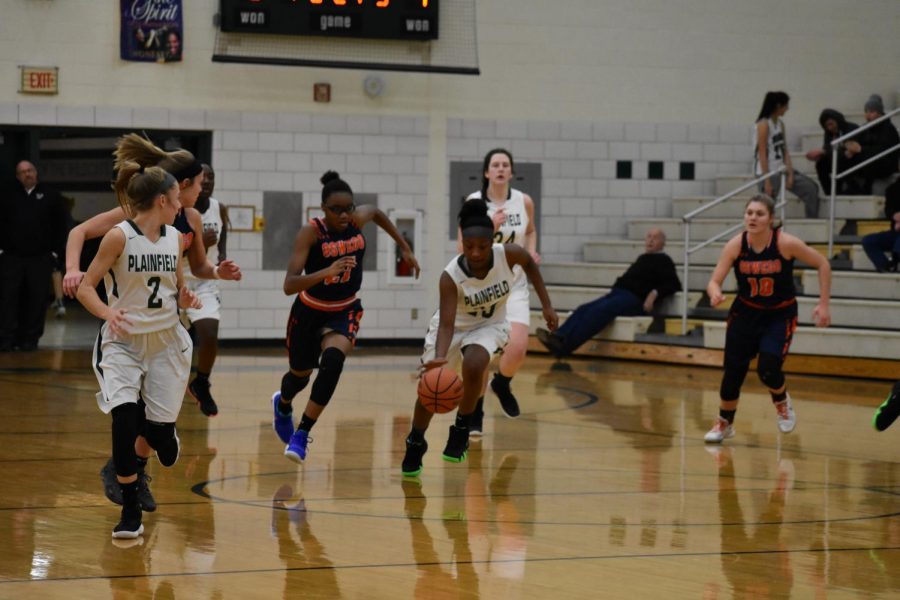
x=113 y=491
x=129 y=526
x=110 y=484
x=200 y=391
x=476 y=422
x=508 y=402
x=412 y=460
x=551 y=342
x=145 y=498
x=457 y=445
x=889 y=410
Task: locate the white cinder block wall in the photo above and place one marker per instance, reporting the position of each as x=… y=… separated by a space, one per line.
x=581 y=197
x=258 y=152
x=575 y=84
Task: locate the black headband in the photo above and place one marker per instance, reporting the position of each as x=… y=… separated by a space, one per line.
x=477 y=231
x=188 y=172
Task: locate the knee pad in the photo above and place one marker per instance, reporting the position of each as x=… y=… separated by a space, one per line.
x=163 y=438
x=124 y=433
x=732 y=380
x=330 y=366
x=769 y=369
x=291 y=385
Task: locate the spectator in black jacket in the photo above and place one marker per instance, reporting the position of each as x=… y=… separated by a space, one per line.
x=32 y=234
x=879 y=245
x=872 y=142
x=834 y=125
x=650 y=278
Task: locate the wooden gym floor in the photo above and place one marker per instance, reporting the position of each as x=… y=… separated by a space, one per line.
x=602 y=489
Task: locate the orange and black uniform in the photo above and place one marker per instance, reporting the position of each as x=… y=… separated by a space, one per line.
x=763 y=317
x=187 y=232
x=330 y=305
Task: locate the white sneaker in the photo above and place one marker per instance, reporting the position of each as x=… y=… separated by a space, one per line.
x=787 y=420
x=721 y=430
x=60 y=309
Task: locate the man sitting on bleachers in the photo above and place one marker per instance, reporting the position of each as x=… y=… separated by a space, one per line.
x=649 y=278
x=872 y=142
x=879 y=245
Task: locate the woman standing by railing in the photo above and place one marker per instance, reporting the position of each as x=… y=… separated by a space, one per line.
x=771 y=152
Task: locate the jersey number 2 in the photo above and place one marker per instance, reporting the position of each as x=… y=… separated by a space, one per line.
x=764 y=286
x=153 y=301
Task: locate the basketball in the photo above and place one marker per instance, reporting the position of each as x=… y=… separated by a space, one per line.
x=440 y=390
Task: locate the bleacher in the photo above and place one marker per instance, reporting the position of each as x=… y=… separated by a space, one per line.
x=863 y=340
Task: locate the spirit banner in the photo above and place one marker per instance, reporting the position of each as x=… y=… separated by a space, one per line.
x=151 y=30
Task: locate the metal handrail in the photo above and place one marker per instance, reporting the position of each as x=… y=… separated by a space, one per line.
x=835 y=175
x=862 y=128
x=687 y=231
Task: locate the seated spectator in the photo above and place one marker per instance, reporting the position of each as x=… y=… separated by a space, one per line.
x=649 y=278
x=879 y=245
x=872 y=142
x=834 y=125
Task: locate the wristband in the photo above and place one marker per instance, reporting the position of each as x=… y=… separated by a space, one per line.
x=216 y=272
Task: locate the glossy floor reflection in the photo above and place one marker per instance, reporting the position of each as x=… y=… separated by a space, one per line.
x=602 y=489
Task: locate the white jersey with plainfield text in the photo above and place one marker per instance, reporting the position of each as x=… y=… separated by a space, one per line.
x=143 y=279
x=512 y=230
x=481 y=301
x=212 y=221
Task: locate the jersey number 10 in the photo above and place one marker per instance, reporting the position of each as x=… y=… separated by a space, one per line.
x=762 y=286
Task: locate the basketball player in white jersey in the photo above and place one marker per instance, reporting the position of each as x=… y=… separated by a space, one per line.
x=142 y=349
x=188 y=171
x=771 y=152
x=512 y=213
x=205 y=321
x=471 y=324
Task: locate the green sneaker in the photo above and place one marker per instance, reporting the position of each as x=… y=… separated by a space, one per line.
x=457 y=445
x=889 y=410
x=412 y=460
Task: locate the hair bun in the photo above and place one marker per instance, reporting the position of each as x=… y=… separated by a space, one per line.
x=476 y=207
x=329 y=176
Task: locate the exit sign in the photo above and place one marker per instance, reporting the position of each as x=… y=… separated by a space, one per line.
x=39 y=80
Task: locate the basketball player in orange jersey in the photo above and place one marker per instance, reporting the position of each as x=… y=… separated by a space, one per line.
x=512 y=213
x=471 y=325
x=325 y=272
x=763 y=317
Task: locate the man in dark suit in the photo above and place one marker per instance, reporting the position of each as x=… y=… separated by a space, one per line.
x=32 y=234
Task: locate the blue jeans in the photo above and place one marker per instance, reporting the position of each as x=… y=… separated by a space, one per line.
x=877 y=244
x=591 y=318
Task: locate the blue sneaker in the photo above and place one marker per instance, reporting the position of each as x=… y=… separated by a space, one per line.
x=296 y=448
x=282 y=424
